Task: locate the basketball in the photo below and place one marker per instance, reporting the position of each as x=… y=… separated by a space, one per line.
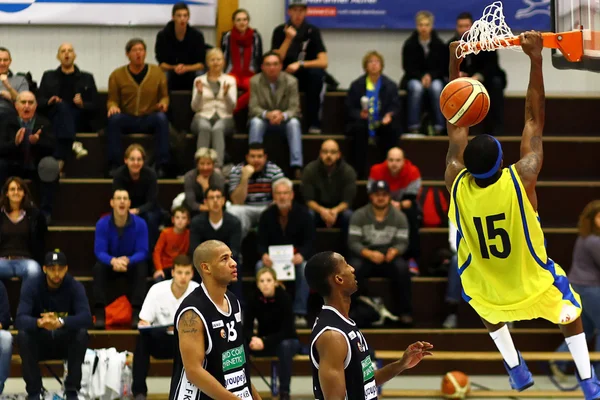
x=464 y=102
x=455 y=385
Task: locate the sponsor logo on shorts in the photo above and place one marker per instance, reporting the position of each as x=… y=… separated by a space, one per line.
x=367 y=369
x=370 y=390
x=218 y=324
x=235 y=380
x=243 y=394
x=233 y=358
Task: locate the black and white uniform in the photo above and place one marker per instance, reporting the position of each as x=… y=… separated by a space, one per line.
x=359 y=370
x=226 y=357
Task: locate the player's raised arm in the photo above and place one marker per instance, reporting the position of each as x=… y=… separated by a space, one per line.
x=532 y=153
x=458 y=136
x=191 y=345
x=333 y=349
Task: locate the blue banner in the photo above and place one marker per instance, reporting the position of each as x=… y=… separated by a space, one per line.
x=520 y=15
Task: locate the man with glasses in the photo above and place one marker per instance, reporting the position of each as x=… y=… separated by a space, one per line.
x=329 y=188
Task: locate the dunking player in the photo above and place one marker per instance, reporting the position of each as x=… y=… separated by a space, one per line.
x=342 y=367
x=505 y=271
x=211 y=362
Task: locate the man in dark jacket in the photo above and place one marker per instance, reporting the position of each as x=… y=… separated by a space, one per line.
x=69 y=98
x=424 y=59
x=6 y=339
x=373 y=109
x=24 y=141
x=288 y=223
x=52 y=319
x=180 y=49
x=485 y=68
x=121 y=249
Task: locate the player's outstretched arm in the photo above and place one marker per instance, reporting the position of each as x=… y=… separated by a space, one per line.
x=191 y=346
x=411 y=357
x=532 y=154
x=332 y=348
x=458 y=136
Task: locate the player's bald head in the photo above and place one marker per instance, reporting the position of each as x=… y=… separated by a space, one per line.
x=207 y=252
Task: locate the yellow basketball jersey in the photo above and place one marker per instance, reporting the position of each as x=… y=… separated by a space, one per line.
x=502 y=256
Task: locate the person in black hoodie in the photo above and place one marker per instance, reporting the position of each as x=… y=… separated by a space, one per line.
x=373 y=109
x=22 y=232
x=424 y=59
x=271 y=306
x=52 y=318
x=180 y=49
x=6 y=339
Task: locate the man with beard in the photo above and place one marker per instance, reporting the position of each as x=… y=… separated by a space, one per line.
x=285 y=223
x=341 y=360
x=68 y=96
x=377 y=240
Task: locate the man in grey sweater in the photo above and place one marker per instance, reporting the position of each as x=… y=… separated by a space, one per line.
x=10 y=85
x=378 y=238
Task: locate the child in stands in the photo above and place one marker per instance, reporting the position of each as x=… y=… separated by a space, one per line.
x=171 y=243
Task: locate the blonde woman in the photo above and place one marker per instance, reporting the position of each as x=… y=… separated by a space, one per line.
x=271 y=306
x=213 y=100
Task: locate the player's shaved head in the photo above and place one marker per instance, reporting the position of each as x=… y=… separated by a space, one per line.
x=206 y=252
x=318 y=270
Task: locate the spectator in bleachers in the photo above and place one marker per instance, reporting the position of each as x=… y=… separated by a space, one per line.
x=68 y=96
x=213 y=100
x=485 y=68
x=141 y=183
x=301 y=48
x=424 y=59
x=329 y=188
x=218 y=224
x=53 y=317
x=250 y=186
x=26 y=139
x=275 y=106
x=156 y=321
x=196 y=181
x=271 y=307
x=373 y=109
x=243 y=50
x=180 y=49
x=10 y=85
x=377 y=240
x=138 y=99
x=404 y=180
x=22 y=232
x=285 y=223
x=173 y=241
x=121 y=249
x=6 y=339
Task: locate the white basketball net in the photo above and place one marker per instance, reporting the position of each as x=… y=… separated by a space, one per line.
x=489 y=33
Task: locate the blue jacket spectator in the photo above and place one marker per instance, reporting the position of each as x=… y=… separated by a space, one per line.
x=52 y=318
x=121 y=249
x=5 y=337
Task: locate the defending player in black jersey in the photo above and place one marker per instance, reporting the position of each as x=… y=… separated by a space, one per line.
x=212 y=361
x=342 y=367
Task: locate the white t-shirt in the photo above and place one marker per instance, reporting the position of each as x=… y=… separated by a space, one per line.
x=160 y=303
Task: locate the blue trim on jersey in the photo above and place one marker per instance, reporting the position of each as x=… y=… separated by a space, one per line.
x=560 y=282
x=459 y=234
x=465 y=296
x=462 y=268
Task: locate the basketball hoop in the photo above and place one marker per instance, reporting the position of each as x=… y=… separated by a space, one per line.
x=491 y=33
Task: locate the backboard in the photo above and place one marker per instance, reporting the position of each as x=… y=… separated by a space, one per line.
x=568 y=15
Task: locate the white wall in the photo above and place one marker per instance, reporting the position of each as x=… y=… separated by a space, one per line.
x=101 y=49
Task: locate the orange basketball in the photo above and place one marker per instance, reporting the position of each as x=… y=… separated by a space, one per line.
x=464 y=102
x=455 y=385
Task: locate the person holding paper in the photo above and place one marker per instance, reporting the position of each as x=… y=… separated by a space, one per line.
x=156 y=321
x=288 y=223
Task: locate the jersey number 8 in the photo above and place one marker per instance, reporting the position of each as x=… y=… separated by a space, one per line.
x=492 y=233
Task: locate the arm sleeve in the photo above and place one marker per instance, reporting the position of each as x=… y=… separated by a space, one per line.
x=355 y=233
x=190 y=195
x=196 y=103
x=353 y=106
x=349 y=186
x=5 y=318
x=410 y=67
x=163 y=89
x=113 y=92
x=318 y=41
x=23 y=85
x=82 y=316
x=25 y=319
x=200 y=49
x=413 y=188
x=92 y=96
x=308 y=234
x=294 y=105
x=151 y=195
x=147 y=313
x=141 y=242
x=400 y=240
x=254 y=107
x=43 y=94
x=263 y=233
x=594 y=248
x=308 y=187
x=158 y=249
x=8 y=131
x=159 y=48
x=287 y=325
x=234 y=178
x=394 y=100
x=101 y=243
x=277 y=38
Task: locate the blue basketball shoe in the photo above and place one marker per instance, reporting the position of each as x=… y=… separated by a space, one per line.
x=590 y=386
x=519 y=377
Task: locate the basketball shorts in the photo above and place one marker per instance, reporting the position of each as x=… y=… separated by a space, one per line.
x=559 y=304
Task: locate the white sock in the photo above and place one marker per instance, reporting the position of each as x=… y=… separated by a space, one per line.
x=506 y=346
x=579 y=350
